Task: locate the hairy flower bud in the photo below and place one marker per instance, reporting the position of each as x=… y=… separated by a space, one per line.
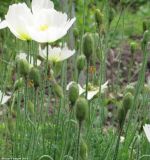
x=73 y=93
x=19 y=84
x=81 y=60
x=30 y=107
x=83 y=150
x=88 y=45
x=23 y=66
x=98 y=17
x=133 y=46
x=81 y=109
x=34 y=76
x=58 y=90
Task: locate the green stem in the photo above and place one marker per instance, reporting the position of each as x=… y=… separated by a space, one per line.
x=78 y=141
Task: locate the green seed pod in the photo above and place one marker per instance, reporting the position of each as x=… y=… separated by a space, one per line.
x=34 y=75
x=23 y=66
x=98 y=17
x=75 y=33
x=88 y=45
x=127 y=102
x=73 y=93
x=81 y=109
x=58 y=90
x=81 y=60
x=83 y=150
x=19 y=84
x=130 y=88
x=30 y=107
x=133 y=47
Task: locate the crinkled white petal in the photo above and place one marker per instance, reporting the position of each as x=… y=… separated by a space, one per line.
x=49 y=25
x=3 y=24
x=146 y=128
x=19 y=18
x=104 y=87
x=3 y=98
x=40 y=4
x=91 y=94
x=57 y=53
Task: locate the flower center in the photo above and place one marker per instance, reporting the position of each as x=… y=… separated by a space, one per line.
x=43 y=27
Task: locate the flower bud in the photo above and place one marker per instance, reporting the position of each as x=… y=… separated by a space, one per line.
x=88 y=45
x=98 y=17
x=81 y=62
x=23 y=66
x=73 y=93
x=133 y=46
x=58 y=90
x=145 y=38
x=30 y=107
x=34 y=76
x=83 y=150
x=19 y=84
x=81 y=109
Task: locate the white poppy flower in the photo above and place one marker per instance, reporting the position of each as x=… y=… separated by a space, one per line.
x=31 y=60
x=56 y=54
x=3 y=98
x=92 y=92
x=146 y=128
x=49 y=25
x=19 y=18
x=3 y=24
x=41 y=4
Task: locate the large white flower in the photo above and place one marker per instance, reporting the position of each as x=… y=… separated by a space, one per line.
x=93 y=91
x=146 y=128
x=19 y=18
x=3 y=24
x=3 y=98
x=49 y=25
x=31 y=59
x=56 y=54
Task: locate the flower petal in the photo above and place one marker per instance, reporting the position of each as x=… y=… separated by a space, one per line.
x=41 y=4
x=146 y=128
x=19 y=18
x=3 y=98
x=3 y=24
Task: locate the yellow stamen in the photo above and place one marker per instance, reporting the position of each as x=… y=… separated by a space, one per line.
x=43 y=27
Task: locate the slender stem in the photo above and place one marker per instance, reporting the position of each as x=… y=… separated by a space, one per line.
x=78 y=140
x=87 y=78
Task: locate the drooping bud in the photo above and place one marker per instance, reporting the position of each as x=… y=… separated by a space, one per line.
x=133 y=47
x=19 y=84
x=23 y=66
x=73 y=93
x=81 y=109
x=98 y=17
x=83 y=150
x=58 y=90
x=88 y=45
x=30 y=107
x=81 y=60
x=34 y=76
